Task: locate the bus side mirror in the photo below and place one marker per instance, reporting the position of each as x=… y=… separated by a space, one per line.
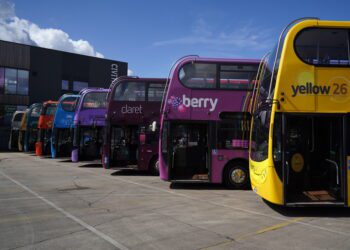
x=154 y=126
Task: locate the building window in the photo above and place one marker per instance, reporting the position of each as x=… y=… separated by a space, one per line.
x=10 y=81
x=77 y=86
x=2 y=80
x=65 y=85
x=22 y=82
x=13 y=81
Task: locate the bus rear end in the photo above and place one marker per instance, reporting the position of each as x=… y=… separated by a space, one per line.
x=31 y=132
x=42 y=146
x=205 y=121
x=15 y=127
x=62 y=129
x=132 y=125
x=89 y=122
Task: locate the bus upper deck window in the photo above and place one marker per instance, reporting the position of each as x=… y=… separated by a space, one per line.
x=323 y=46
x=68 y=104
x=130 y=91
x=238 y=77
x=198 y=75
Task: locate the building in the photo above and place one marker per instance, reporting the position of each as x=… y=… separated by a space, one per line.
x=30 y=74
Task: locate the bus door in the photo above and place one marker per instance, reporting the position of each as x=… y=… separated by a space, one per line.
x=124 y=145
x=313 y=154
x=189 y=157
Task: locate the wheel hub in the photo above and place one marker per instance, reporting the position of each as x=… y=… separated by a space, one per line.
x=238 y=176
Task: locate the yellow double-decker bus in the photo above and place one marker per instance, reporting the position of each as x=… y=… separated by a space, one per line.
x=300 y=136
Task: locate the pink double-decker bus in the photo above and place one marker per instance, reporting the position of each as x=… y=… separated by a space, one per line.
x=205 y=121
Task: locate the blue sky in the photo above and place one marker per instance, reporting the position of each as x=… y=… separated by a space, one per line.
x=151 y=35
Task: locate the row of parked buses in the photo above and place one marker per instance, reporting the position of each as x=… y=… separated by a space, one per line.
x=281 y=124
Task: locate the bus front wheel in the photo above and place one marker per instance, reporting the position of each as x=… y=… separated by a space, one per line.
x=236 y=176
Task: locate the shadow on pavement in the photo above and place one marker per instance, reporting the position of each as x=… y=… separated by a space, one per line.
x=310 y=211
x=197 y=185
x=91 y=165
x=66 y=160
x=130 y=172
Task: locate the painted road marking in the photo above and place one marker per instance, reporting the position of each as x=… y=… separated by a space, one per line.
x=269 y=229
x=69 y=215
x=219 y=204
x=19 y=198
x=260 y=231
x=198 y=199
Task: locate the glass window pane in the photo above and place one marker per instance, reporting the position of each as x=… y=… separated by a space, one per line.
x=10 y=81
x=2 y=80
x=77 y=86
x=130 y=91
x=23 y=80
x=237 y=76
x=233 y=131
x=51 y=109
x=65 y=85
x=68 y=104
x=323 y=46
x=260 y=136
x=18 y=117
x=155 y=92
x=36 y=111
x=198 y=75
x=95 y=100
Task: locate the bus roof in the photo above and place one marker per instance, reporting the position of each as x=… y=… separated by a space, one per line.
x=195 y=58
x=121 y=79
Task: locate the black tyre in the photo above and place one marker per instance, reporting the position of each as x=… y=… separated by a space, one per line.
x=236 y=176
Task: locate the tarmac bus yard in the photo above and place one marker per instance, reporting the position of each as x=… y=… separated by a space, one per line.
x=56 y=204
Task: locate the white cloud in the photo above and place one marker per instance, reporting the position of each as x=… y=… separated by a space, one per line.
x=130 y=72
x=15 y=29
x=246 y=36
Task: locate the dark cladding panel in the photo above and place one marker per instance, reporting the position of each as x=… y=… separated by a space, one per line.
x=45 y=74
x=47 y=68
x=103 y=71
x=75 y=67
x=14 y=55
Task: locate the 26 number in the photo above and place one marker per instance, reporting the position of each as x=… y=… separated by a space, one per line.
x=340 y=89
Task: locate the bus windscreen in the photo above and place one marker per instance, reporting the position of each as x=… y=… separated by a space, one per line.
x=95 y=100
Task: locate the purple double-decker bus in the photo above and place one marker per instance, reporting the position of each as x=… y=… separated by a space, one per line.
x=205 y=121
x=131 y=133
x=89 y=121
